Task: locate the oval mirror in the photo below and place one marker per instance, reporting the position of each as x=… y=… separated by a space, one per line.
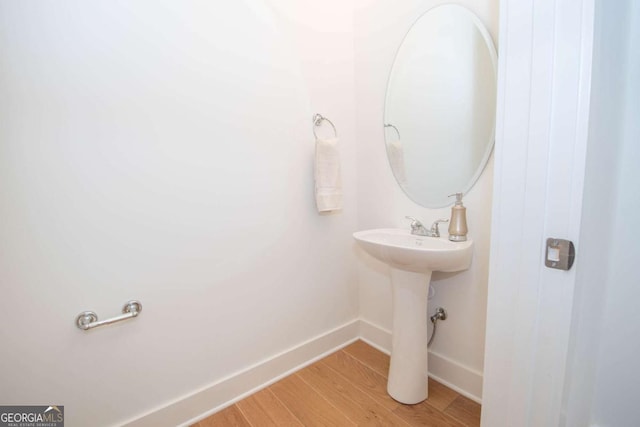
x=439 y=116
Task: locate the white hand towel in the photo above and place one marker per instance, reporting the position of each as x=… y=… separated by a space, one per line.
x=328 y=184
x=396 y=159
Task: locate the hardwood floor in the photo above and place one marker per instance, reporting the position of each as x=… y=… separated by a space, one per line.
x=346 y=388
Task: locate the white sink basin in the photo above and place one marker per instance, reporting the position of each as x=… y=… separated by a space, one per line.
x=412 y=260
x=401 y=249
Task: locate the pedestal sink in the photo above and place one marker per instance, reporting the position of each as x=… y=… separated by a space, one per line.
x=412 y=260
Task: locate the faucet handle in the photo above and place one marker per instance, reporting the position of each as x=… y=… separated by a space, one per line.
x=435 y=229
x=414 y=222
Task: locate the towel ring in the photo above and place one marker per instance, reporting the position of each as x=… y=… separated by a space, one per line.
x=317 y=121
x=389 y=125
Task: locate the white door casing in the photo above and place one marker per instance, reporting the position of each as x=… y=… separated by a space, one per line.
x=541 y=135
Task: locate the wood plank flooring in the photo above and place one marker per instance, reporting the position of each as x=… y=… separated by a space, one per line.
x=346 y=388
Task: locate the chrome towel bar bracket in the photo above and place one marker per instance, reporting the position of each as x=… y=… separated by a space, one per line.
x=89 y=319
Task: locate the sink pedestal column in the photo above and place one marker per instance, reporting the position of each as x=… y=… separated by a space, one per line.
x=408 y=370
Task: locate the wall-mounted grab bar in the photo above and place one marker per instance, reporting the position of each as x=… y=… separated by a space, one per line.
x=89 y=319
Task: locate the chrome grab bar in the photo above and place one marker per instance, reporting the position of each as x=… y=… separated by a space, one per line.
x=89 y=319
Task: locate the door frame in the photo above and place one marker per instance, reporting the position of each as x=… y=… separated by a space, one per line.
x=544 y=82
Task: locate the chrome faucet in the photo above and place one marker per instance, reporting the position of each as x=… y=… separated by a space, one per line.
x=418 y=229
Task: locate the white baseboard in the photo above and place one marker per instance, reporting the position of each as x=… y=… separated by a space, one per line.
x=454 y=375
x=196 y=406
x=375 y=336
x=202 y=403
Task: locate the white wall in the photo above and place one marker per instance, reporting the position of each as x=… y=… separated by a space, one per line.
x=457 y=352
x=603 y=373
x=162 y=151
